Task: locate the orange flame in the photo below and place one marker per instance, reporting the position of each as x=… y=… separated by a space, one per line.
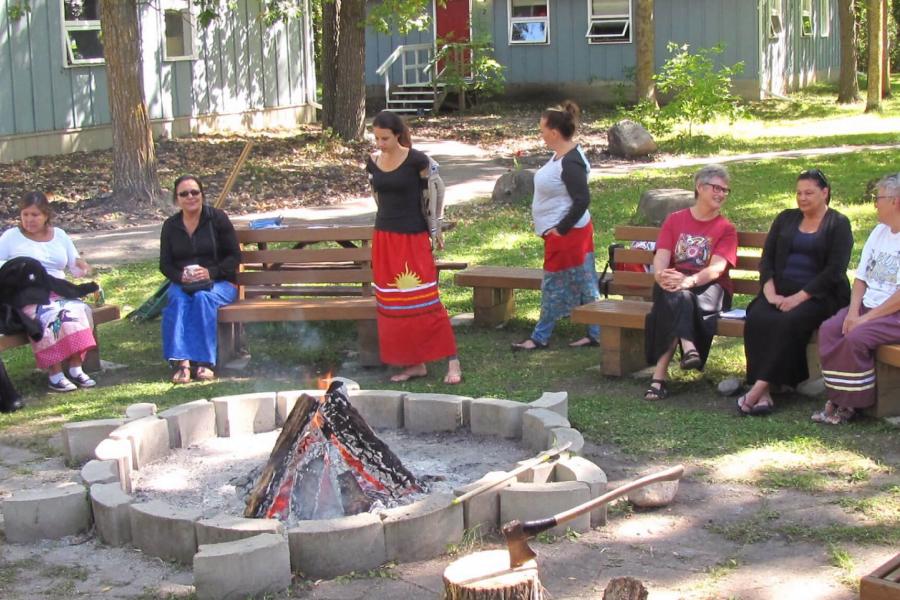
x=322 y=383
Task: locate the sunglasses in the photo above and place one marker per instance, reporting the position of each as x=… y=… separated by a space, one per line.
x=187 y=193
x=816 y=174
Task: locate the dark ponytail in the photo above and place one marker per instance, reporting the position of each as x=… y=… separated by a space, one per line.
x=563 y=118
x=388 y=120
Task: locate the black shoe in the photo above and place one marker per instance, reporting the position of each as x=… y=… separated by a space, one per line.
x=13 y=406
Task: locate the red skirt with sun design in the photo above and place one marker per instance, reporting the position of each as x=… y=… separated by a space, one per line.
x=413 y=326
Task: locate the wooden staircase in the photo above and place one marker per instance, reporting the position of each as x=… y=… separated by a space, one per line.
x=414 y=99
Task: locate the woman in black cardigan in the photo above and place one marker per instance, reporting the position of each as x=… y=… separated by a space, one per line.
x=803 y=272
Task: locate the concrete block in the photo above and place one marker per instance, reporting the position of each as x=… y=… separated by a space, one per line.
x=228 y=528
x=490 y=416
x=246 y=568
x=120 y=452
x=190 y=423
x=576 y=468
x=529 y=501
x=149 y=438
x=162 y=530
x=140 y=410
x=285 y=401
x=245 y=414
x=422 y=529
x=112 y=513
x=330 y=547
x=541 y=473
x=46 y=513
x=483 y=510
x=80 y=439
x=424 y=413
x=558 y=402
x=564 y=435
x=100 y=471
x=536 y=426
x=382 y=409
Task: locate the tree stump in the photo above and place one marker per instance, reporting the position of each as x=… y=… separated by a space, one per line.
x=625 y=588
x=487 y=576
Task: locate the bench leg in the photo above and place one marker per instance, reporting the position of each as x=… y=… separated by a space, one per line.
x=367 y=336
x=226 y=343
x=887 y=378
x=494 y=306
x=91 y=362
x=622 y=350
x=813 y=365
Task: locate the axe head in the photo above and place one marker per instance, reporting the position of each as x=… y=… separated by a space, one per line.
x=517 y=544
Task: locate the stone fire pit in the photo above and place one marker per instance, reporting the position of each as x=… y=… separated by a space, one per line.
x=234 y=556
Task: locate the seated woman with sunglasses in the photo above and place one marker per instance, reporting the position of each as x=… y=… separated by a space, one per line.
x=803 y=273
x=199 y=254
x=694 y=251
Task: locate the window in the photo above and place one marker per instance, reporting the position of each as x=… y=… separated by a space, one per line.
x=82 y=40
x=609 y=21
x=179 y=31
x=529 y=21
x=824 y=18
x=806 y=21
x=774 y=9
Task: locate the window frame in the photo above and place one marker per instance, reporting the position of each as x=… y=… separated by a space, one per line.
x=66 y=27
x=824 y=20
x=182 y=7
x=806 y=19
x=627 y=20
x=511 y=21
x=775 y=19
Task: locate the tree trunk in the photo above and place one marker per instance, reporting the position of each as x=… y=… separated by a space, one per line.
x=134 y=155
x=645 y=35
x=876 y=50
x=330 y=30
x=350 y=82
x=848 y=88
x=486 y=576
x=886 y=52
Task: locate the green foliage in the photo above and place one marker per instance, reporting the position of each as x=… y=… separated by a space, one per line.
x=700 y=92
x=17 y=11
x=469 y=67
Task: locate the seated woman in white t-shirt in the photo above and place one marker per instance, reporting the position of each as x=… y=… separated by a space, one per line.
x=849 y=339
x=68 y=334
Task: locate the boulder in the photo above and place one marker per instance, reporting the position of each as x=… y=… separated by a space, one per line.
x=656 y=494
x=628 y=139
x=514 y=187
x=655 y=205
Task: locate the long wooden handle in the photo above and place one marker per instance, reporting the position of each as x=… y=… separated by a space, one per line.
x=542 y=458
x=229 y=183
x=535 y=527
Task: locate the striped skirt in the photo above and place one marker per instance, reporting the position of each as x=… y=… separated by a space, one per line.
x=68 y=330
x=848 y=361
x=413 y=326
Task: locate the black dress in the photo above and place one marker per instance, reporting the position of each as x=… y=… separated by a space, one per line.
x=775 y=341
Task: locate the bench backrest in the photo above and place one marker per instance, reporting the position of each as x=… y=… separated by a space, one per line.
x=306 y=260
x=629 y=283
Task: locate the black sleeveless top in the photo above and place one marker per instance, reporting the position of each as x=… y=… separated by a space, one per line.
x=400 y=194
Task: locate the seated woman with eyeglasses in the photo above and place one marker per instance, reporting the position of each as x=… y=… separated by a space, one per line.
x=199 y=254
x=849 y=339
x=803 y=272
x=694 y=251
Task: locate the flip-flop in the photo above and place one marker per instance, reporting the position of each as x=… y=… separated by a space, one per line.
x=740 y=406
x=453 y=379
x=182 y=375
x=691 y=360
x=590 y=343
x=761 y=409
x=537 y=346
x=401 y=377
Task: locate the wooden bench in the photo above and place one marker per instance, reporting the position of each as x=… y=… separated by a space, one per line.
x=316 y=273
x=99 y=314
x=622 y=321
x=883 y=583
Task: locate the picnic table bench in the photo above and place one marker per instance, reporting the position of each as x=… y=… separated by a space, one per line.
x=99 y=314
x=305 y=273
x=883 y=583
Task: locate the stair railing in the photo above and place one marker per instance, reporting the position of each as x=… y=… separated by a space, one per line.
x=414 y=66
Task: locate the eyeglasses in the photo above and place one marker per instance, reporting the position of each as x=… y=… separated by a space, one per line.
x=877 y=198
x=816 y=174
x=187 y=193
x=719 y=189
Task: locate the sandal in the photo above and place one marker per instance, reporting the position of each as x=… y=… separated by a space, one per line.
x=182 y=374
x=585 y=342
x=205 y=374
x=825 y=413
x=536 y=345
x=841 y=416
x=407 y=374
x=657 y=393
x=691 y=360
x=762 y=409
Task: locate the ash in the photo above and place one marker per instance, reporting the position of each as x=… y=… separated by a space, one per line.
x=216 y=475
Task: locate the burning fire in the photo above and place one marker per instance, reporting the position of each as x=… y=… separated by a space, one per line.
x=322 y=383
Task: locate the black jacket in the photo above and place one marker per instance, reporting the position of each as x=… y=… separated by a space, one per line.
x=24 y=281
x=833 y=250
x=177 y=249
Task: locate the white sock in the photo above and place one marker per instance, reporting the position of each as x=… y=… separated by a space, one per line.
x=77 y=372
x=56 y=377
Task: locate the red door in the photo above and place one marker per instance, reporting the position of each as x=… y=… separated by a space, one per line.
x=452 y=20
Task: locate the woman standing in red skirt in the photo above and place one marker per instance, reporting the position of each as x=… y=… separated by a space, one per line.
x=413 y=326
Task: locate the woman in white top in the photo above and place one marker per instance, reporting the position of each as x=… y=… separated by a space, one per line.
x=561 y=217
x=849 y=339
x=68 y=334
